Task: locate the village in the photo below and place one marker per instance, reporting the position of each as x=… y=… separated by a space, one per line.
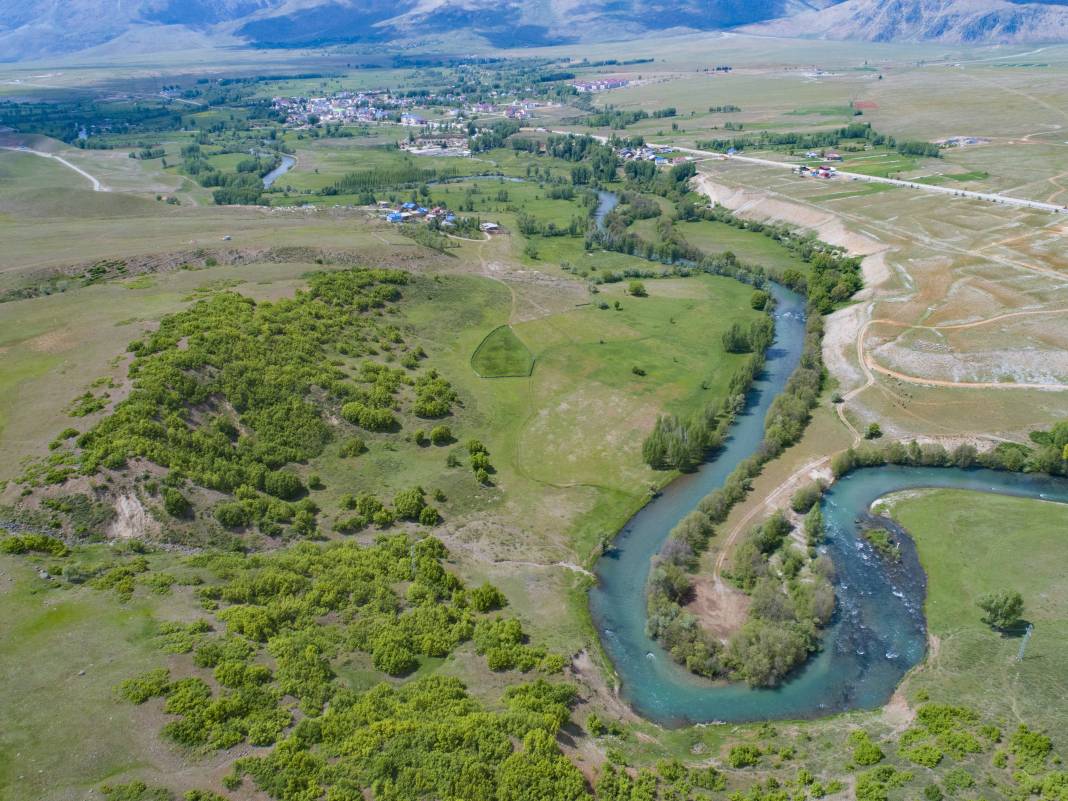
x=381 y=105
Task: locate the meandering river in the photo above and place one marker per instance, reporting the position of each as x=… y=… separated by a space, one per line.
x=283 y=167
x=878 y=632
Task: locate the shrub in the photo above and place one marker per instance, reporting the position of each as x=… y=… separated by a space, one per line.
x=175 y=504
x=441 y=435
x=148 y=685
x=958 y=779
x=283 y=484
x=743 y=756
x=232 y=515
x=924 y=754
x=806 y=497
x=409 y=503
x=429 y=516
x=353 y=446
x=865 y=752
x=487 y=598
x=395 y=659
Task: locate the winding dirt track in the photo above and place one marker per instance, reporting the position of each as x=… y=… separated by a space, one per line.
x=97 y=185
x=869 y=363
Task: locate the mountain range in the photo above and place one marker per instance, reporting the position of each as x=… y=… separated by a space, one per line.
x=33 y=29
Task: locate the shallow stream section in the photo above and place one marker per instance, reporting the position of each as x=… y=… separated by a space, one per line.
x=287 y=163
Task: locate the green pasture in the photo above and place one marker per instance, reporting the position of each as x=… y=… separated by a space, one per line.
x=502 y=355
x=971 y=543
x=63 y=651
x=714 y=238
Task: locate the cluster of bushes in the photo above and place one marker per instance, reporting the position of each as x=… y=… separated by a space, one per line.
x=139 y=791
x=670 y=780
x=676 y=444
x=408 y=504
x=480 y=461
x=298 y=610
x=34 y=543
x=247 y=711
x=531 y=226
x=425 y=739
x=754 y=338
x=229 y=392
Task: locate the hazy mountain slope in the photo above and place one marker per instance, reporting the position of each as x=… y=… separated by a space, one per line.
x=950 y=21
x=506 y=22
x=40 y=28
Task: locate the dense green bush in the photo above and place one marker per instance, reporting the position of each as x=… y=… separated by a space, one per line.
x=175 y=503
x=865 y=752
x=283 y=484
x=39 y=543
x=744 y=756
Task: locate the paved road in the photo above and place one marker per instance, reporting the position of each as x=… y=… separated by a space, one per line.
x=989 y=197
x=97 y=186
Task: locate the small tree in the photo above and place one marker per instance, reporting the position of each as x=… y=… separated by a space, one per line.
x=637 y=289
x=873 y=432
x=1002 y=609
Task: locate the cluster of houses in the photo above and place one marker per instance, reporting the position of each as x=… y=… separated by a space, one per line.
x=661 y=155
x=822 y=171
x=430 y=145
x=380 y=105
x=369 y=106
x=413 y=212
x=521 y=109
x=601 y=84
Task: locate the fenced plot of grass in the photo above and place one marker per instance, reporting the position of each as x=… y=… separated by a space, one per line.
x=502 y=355
x=972 y=543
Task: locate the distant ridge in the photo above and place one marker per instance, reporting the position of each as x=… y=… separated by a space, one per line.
x=949 y=21
x=34 y=29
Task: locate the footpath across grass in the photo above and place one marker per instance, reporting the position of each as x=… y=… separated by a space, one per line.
x=973 y=543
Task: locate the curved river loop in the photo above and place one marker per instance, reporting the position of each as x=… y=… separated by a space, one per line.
x=878 y=632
